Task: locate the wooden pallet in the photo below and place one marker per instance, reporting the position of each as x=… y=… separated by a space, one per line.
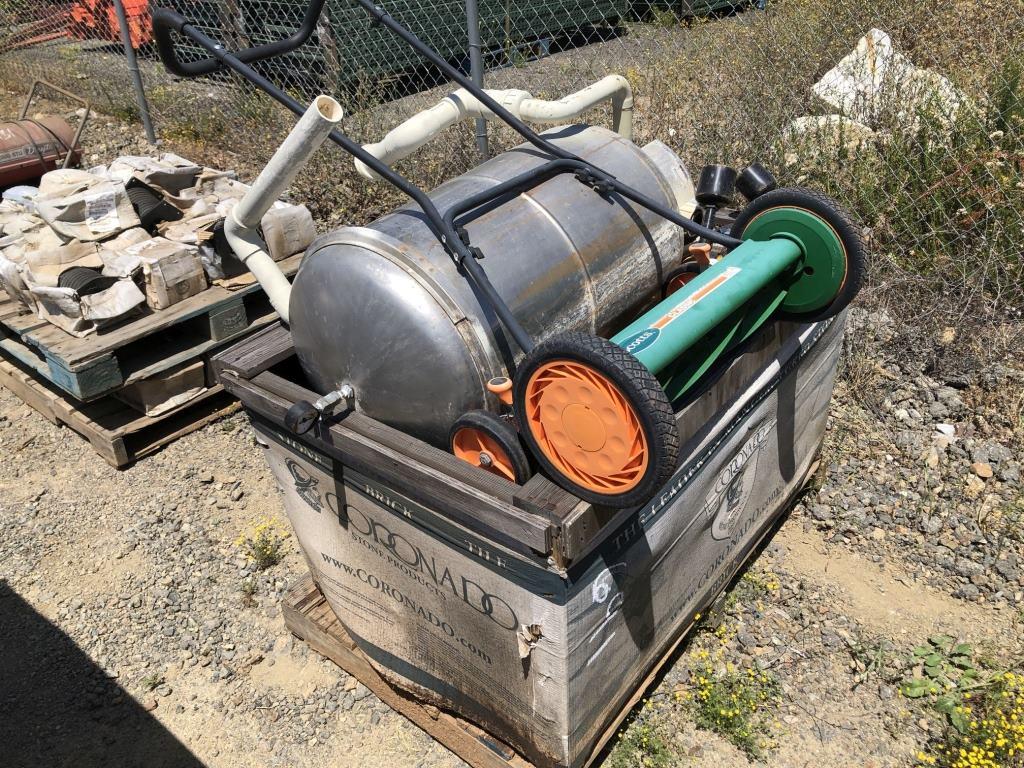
x=308 y=616
x=92 y=367
x=118 y=433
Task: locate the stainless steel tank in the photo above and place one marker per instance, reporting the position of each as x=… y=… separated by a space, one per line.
x=384 y=309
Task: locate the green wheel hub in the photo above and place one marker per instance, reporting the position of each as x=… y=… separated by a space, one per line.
x=822 y=271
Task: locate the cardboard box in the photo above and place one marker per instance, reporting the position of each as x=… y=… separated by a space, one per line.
x=544 y=649
x=171 y=271
x=287 y=230
x=166 y=391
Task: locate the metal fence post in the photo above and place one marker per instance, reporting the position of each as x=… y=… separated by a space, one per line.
x=476 y=68
x=133 y=70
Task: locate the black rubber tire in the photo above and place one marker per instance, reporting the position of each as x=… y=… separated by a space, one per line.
x=503 y=433
x=849 y=232
x=640 y=388
x=150 y=207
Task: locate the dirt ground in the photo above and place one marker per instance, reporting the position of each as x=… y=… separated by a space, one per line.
x=134 y=631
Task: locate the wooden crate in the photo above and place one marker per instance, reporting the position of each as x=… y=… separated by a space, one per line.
x=309 y=617
x=96 y=365
x=532 y=614
x=118 y=433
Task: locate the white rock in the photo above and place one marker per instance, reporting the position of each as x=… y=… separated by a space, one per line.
x=875 y=79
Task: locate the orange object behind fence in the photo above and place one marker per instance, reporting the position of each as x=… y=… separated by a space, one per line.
x=97 y=20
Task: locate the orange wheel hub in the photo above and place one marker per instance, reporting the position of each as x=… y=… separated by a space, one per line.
x=481 y=450
x=586 y=427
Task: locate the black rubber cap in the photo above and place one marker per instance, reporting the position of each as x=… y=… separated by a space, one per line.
x=716 y=185
x=754 y=181
x=301 y=417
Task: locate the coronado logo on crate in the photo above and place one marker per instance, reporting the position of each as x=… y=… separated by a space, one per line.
x=425 y=614
x=305 y=485
x=731 y=490
x=408 y=558
x=397 y=551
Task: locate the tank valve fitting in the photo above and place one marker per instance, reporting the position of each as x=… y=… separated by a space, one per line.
x=301 y=417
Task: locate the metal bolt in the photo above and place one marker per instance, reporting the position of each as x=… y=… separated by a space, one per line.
x=485 y=459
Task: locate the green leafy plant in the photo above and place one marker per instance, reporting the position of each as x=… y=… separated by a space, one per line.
x=990 y=728
x=641 y=745
x=734 y=703
x=873 y=660
x=752 y=589
x=943 y=671
x=248 y=590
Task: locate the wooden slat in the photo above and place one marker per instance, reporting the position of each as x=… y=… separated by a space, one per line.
x=252 y=358
x=143 y=357
x=423 y=473
x=8 y=307
x=310 y=618
x=542 y=497
x=159 y=364
x=118 y=433
x=442 y=461
x=21 y=323
x=259 y=352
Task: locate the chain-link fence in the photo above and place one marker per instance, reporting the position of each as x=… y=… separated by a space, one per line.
x=912 y=114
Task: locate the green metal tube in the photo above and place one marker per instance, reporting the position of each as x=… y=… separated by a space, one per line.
x=661 y=336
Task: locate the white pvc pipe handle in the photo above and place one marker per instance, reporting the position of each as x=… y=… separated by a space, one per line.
x=240 y=225
x=412 y=134
x=304 y=140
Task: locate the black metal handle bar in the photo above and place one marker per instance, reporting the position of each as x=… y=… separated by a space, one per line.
x=447 y=235
x=167 y=21
x=586 y=173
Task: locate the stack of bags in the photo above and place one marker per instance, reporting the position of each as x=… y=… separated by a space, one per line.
x=88 y=249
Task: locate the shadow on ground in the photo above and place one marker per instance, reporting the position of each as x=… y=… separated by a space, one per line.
x=57 y=708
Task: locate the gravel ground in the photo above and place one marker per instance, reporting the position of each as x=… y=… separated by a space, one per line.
x=133 y=631
x=127 y=629
x=140 y=571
